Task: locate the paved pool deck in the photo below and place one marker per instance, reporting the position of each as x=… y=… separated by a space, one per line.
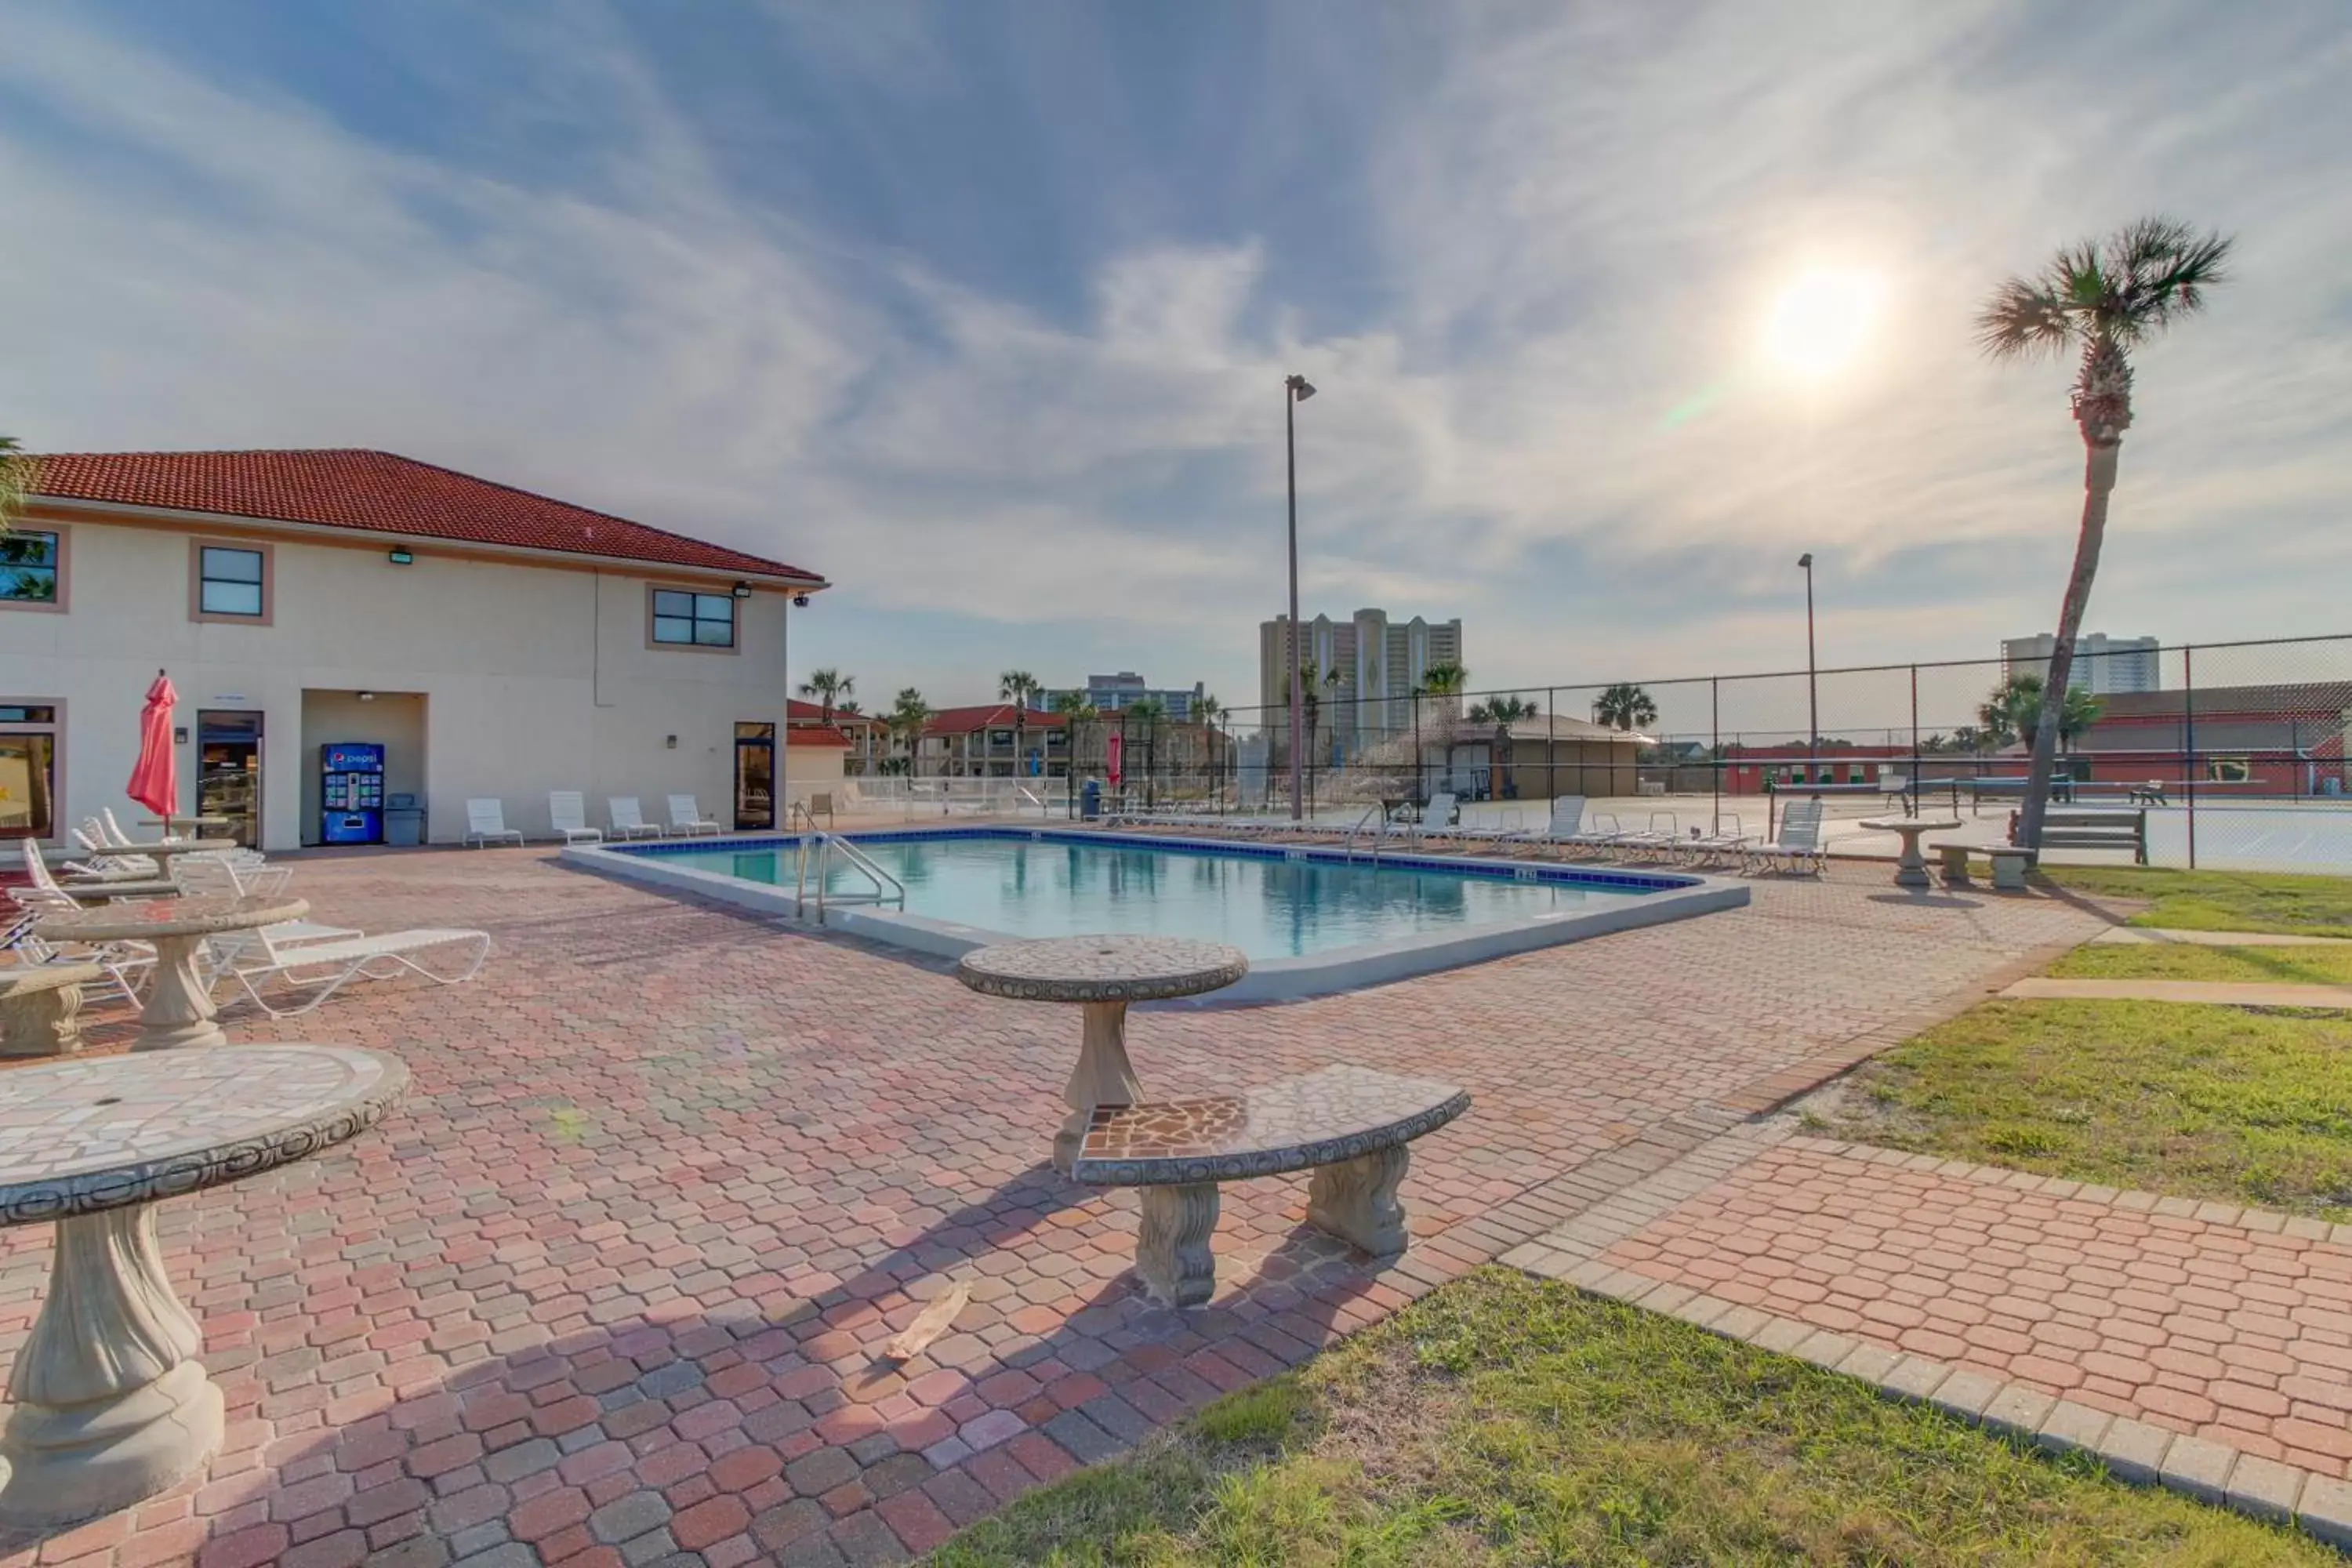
x=610 y=1288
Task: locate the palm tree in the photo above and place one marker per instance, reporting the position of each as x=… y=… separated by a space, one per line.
x=1502 y=710
x=1076 y=709
x=828 y=687
x=1208 y=712
x=2100 y=300
x=1624 y=706
x=908 y=714
x=1149 y=711
x=1312 y=680
x=2016 y=704
x=18 y=474
x=1017 y=687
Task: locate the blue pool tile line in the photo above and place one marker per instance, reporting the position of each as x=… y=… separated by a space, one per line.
x=1574 y=876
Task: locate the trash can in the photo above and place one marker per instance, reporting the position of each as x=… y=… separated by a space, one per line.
x=403 y=821
x=1090 y=800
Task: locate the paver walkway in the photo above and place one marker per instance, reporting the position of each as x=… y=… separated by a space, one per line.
x=610 y=1289
x=2222 y=993
x=2229 y=1324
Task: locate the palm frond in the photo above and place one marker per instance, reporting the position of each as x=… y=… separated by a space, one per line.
x=2024 y=318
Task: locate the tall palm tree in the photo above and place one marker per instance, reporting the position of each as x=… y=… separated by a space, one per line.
x=1148 y=711
x=1502 y=710
x=828 y=687
x=908 y=714
x=1624 y=706
x=19 y=472
x=2099 y=299
x=1210 y=712
x=1313 y=679
x=1018 y=687
x=1076 y=709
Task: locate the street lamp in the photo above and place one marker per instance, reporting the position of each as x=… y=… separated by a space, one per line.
x=1812 y=680
x=1296 y=390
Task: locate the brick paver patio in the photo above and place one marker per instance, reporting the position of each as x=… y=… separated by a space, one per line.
x=2228 y=1324
x=610 y=1288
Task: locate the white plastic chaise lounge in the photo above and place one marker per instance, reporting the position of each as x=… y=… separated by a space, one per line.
x=628 y=819
x=567 y=812
x=120 y=960
x=316 y=967
x=1436 y=820
x=486 y=822
x=1799 y=844
x=685 y=818
x=1722 y=844
x=1559 y=833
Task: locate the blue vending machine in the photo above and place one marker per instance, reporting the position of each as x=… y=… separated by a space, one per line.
x=350 y=793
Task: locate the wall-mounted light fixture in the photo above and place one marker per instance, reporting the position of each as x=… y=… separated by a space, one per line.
x=742 y=590
x=671 y=741
x=402 y=557
x=367 y=696
x=179 y=734
x=800 y=601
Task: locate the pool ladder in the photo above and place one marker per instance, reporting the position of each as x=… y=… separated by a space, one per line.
x=1376 y=816
x=887 y=889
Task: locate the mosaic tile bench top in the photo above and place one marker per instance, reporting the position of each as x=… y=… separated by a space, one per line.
x=78 y=1137
x=1101 y=968
x=25 y=979
x=1317 y=1119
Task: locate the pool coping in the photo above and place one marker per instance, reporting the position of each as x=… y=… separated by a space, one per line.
x=1682 y=895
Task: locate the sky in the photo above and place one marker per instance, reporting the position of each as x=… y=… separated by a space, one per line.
x=983 y=308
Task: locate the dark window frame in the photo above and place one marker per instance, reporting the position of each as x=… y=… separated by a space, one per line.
x=694 y=618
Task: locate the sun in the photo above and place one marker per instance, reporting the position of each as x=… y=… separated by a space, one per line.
x=1822 y=320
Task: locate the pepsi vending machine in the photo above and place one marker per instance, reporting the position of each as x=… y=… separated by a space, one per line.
x=350 y=793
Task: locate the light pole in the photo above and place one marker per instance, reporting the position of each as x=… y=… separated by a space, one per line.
x=1296 y=390
x=1812 y=680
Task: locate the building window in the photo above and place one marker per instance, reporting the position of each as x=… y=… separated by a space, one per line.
x=686 y=619
x=1000 y=737
x=2228 y=770
x=28 y=771
x=32 y=568
x=231 y=583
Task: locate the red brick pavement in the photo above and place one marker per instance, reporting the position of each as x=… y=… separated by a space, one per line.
x=616 y=1274
x=2202 y=1317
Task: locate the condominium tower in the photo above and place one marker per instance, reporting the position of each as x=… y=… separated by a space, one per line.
x=2102 y=665
x=1378 y=662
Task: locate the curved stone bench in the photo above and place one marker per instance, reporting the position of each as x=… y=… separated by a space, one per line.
x=1349 y=1125
x=40 y=1007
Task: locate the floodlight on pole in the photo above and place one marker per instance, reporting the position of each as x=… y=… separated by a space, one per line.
x=1296 y=390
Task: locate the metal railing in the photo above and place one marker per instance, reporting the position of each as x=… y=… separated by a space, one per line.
x=886 y=888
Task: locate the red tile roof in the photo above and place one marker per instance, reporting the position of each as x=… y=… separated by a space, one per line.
x=987 y=716
x=816 y=735
x=379 y=493
x=798 y=711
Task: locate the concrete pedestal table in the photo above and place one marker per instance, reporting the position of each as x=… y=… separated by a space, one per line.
x=1910 y=867
x=1103 y=975
x=106 y=1404
x=162 y=853
x=179 y=1010
x=40 y=1007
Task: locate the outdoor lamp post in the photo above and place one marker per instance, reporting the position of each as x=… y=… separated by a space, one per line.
x=1813 y=680
x=1296 y=390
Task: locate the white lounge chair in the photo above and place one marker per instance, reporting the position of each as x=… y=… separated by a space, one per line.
x=1567 y=821
x=318 y=966
x=1722 y=844
x=487 y=820
x=686 y=817
x=1437 y=818
x=1799 y=844
x=226 y=874
x=628 y=819
x=567 y=811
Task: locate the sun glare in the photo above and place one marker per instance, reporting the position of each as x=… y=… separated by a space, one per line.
x=1822 y=321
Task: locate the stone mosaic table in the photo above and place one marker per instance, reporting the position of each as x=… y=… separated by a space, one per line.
x=106 y=1404
x=1103 y=975
x=40 y=1007
x=179 y=1010
x=1910 y=867
x=106 y=889
x=1349 y=1125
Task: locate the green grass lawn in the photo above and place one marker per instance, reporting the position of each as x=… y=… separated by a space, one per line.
x=2276 y=965
x=2220 y=900
x=2206 y=1102
x=1504 y=1421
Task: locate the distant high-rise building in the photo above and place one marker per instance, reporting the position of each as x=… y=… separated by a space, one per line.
x=1110 y=693
x=2102 y=665
x=1379 y=663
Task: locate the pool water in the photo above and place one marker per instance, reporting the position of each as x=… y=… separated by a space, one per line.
x=1267 y=906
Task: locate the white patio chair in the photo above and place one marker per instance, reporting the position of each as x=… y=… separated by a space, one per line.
x=1799 y=844
x=1722 y=844
x=567 y=810
x=686 y=817
x=120 y=960
x=487 y=820
x=228 y=874
x=628 y=819
x=1437 y=818
x=316 y=967
x=1567 y=821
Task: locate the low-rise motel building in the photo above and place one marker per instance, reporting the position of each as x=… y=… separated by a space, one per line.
x=327 y=613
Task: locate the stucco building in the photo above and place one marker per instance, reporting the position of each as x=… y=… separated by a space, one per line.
x=1379 y=664
x=494 y=642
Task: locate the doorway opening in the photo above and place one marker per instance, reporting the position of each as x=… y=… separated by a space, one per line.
x=755 y=775
x=228 y=771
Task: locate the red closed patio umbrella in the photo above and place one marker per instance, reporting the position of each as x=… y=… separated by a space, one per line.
x=156 y=782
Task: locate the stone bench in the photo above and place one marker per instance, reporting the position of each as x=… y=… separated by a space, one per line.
x=1349 y=1125
x=40 y=1007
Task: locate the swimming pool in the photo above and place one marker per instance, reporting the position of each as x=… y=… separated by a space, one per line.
x=1311 y=920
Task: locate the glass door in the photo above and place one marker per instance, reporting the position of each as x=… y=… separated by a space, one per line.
x=755 y=775
x=228 y=772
